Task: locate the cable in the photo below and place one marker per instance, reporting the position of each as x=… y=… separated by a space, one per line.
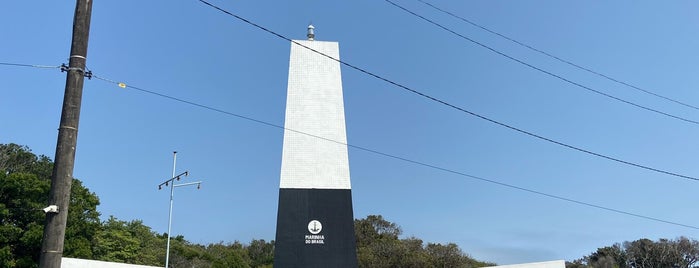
x=398 y=157
x=524 y=189
x=424 y=95
x=542 y=70
x=30 y=65
x=559 y=58
x=124 y=85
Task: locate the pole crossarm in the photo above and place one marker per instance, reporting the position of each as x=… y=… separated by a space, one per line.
x=198 y=183
x=168 y=181
x=171 y=182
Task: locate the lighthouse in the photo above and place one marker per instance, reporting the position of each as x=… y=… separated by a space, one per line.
x=315 y=222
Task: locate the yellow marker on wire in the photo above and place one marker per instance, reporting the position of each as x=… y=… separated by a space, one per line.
x=122 y=85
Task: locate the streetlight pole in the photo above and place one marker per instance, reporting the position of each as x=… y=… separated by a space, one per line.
x=171 y=183
x=169 y=214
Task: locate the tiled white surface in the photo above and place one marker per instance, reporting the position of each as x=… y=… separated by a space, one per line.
x=81 y=263
x=315 y=106
x=548 y=264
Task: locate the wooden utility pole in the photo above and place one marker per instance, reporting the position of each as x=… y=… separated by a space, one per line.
x=62 y=176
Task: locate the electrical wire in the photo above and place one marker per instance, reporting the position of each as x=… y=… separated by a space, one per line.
x=376 y=152
x=608 y=77
x=415 y=162
x=445 y=103
x=124 y=85
x=542 y=70
x=432 y=166
x=30 y=65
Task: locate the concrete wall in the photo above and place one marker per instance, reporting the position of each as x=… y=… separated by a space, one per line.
x=548 y=264
x=80 y=263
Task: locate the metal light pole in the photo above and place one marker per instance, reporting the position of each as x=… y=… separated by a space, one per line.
x=169 y=214
x=171 y=183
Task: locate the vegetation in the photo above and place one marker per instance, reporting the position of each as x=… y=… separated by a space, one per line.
x=25 y=183
x=379 y=246
x=25 y=180
x=24 y=187
x=678 y=253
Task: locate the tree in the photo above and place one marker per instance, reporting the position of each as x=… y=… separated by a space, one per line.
x=678 y=253
x=83 y=222
x=128 y=242
x=374 y=228
x=20 y=159
x=611 y=257
x=24 y=189
x=414 y=254
x=377 y=242
x=21 y=227
x=225 y=256
x=261 y=253
x=185 y=254
x=640 y=253
x=688 y=251
x=448 y=255
x=115 y=243
x=379 y=245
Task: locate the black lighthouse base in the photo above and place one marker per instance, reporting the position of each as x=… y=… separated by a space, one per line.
x=315 y=228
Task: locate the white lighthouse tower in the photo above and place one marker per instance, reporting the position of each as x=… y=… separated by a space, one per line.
x=315 y=222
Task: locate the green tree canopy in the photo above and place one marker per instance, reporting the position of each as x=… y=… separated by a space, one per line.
x=643 y=253
x=379 y=245
x=24 y=189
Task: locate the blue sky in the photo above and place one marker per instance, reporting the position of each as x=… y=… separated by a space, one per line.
x=190 y=51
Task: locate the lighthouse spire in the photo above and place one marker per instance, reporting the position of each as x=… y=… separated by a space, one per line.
x=311 y=35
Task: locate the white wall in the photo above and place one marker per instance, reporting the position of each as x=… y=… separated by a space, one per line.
x=548 y=264
x=80 y=263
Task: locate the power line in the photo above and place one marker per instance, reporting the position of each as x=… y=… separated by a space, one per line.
x=124 y=85
x=376 y=152
x=559 y=58
x=542 y=70
x=445 y=103
x=30 y=65
x=415 y=162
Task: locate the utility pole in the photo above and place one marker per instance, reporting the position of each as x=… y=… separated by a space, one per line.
x=171 y=183
x=169 y=214
x=62 y=176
